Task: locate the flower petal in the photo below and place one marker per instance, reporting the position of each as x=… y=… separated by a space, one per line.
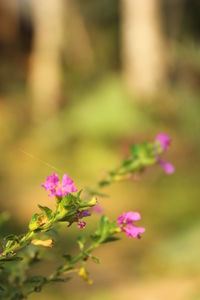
x=81 y=225
x=164 y=140
x=133 y=231
x=167 y=167
x=51 y=182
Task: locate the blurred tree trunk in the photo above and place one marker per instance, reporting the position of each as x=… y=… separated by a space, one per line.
x=45 y=66
x=142 y=46
x=9 y=21
x=77 y=35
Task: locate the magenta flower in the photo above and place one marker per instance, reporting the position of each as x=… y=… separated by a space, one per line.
x=51 y=183
x=58 y=189
x=133 y=231
x=125 y=222
x=164 y=140
x=167 y=167
x=81 y=224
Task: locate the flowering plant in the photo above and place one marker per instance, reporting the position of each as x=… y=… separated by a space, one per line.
x=20 y=253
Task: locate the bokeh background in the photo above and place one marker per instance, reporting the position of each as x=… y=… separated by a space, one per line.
x=79 y=82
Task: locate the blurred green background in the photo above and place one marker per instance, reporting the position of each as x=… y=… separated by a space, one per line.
x=79 y=82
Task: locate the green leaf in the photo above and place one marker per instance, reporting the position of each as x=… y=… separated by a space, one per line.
x=70 y=201
x=11 y=258
x=37 y=278
x=46 y=211
x=35 y=283
x=90 y=203
x=95 y=259
x=9 y=244
x=93 y=192
x=103 y=223
x=61 y=213
x=68 y=258
x=105 y=231
x=111 y=239
x=60 y=279
x=135 y=150
x=104 y=182
x=79 y=194
x=11 y=237
x=34 y=224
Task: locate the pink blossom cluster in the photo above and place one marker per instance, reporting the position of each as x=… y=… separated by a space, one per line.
x=57 y=188
x=164 y=140
x=126 y=224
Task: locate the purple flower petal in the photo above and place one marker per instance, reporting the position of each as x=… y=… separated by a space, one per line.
x=84 y=213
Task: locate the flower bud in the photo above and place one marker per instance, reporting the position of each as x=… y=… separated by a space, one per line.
x=44 y=243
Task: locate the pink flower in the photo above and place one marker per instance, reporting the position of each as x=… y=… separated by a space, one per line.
x=133 y=231
x=58 y=189
x=97 y=209
x=51 y=183
x=125 y=222
x=164 y=140
x=81 y=224
x=128 y=217
x=167 y=167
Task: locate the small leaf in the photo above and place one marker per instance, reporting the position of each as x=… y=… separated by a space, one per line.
x=47 y=211
x=79 y=194
x=95 y=259
x=135 y=150
x=11 y=237
x=68 y=258
x=104 y=182
x=96 y=193
x=36 y=278
x=70 y=201
x=111 y=239
x=59 y=279
x=34 y=224
x=90 y=203
x=11 y=258
x=10 y=243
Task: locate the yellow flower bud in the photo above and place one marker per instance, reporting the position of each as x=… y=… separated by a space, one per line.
x=83 y=274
